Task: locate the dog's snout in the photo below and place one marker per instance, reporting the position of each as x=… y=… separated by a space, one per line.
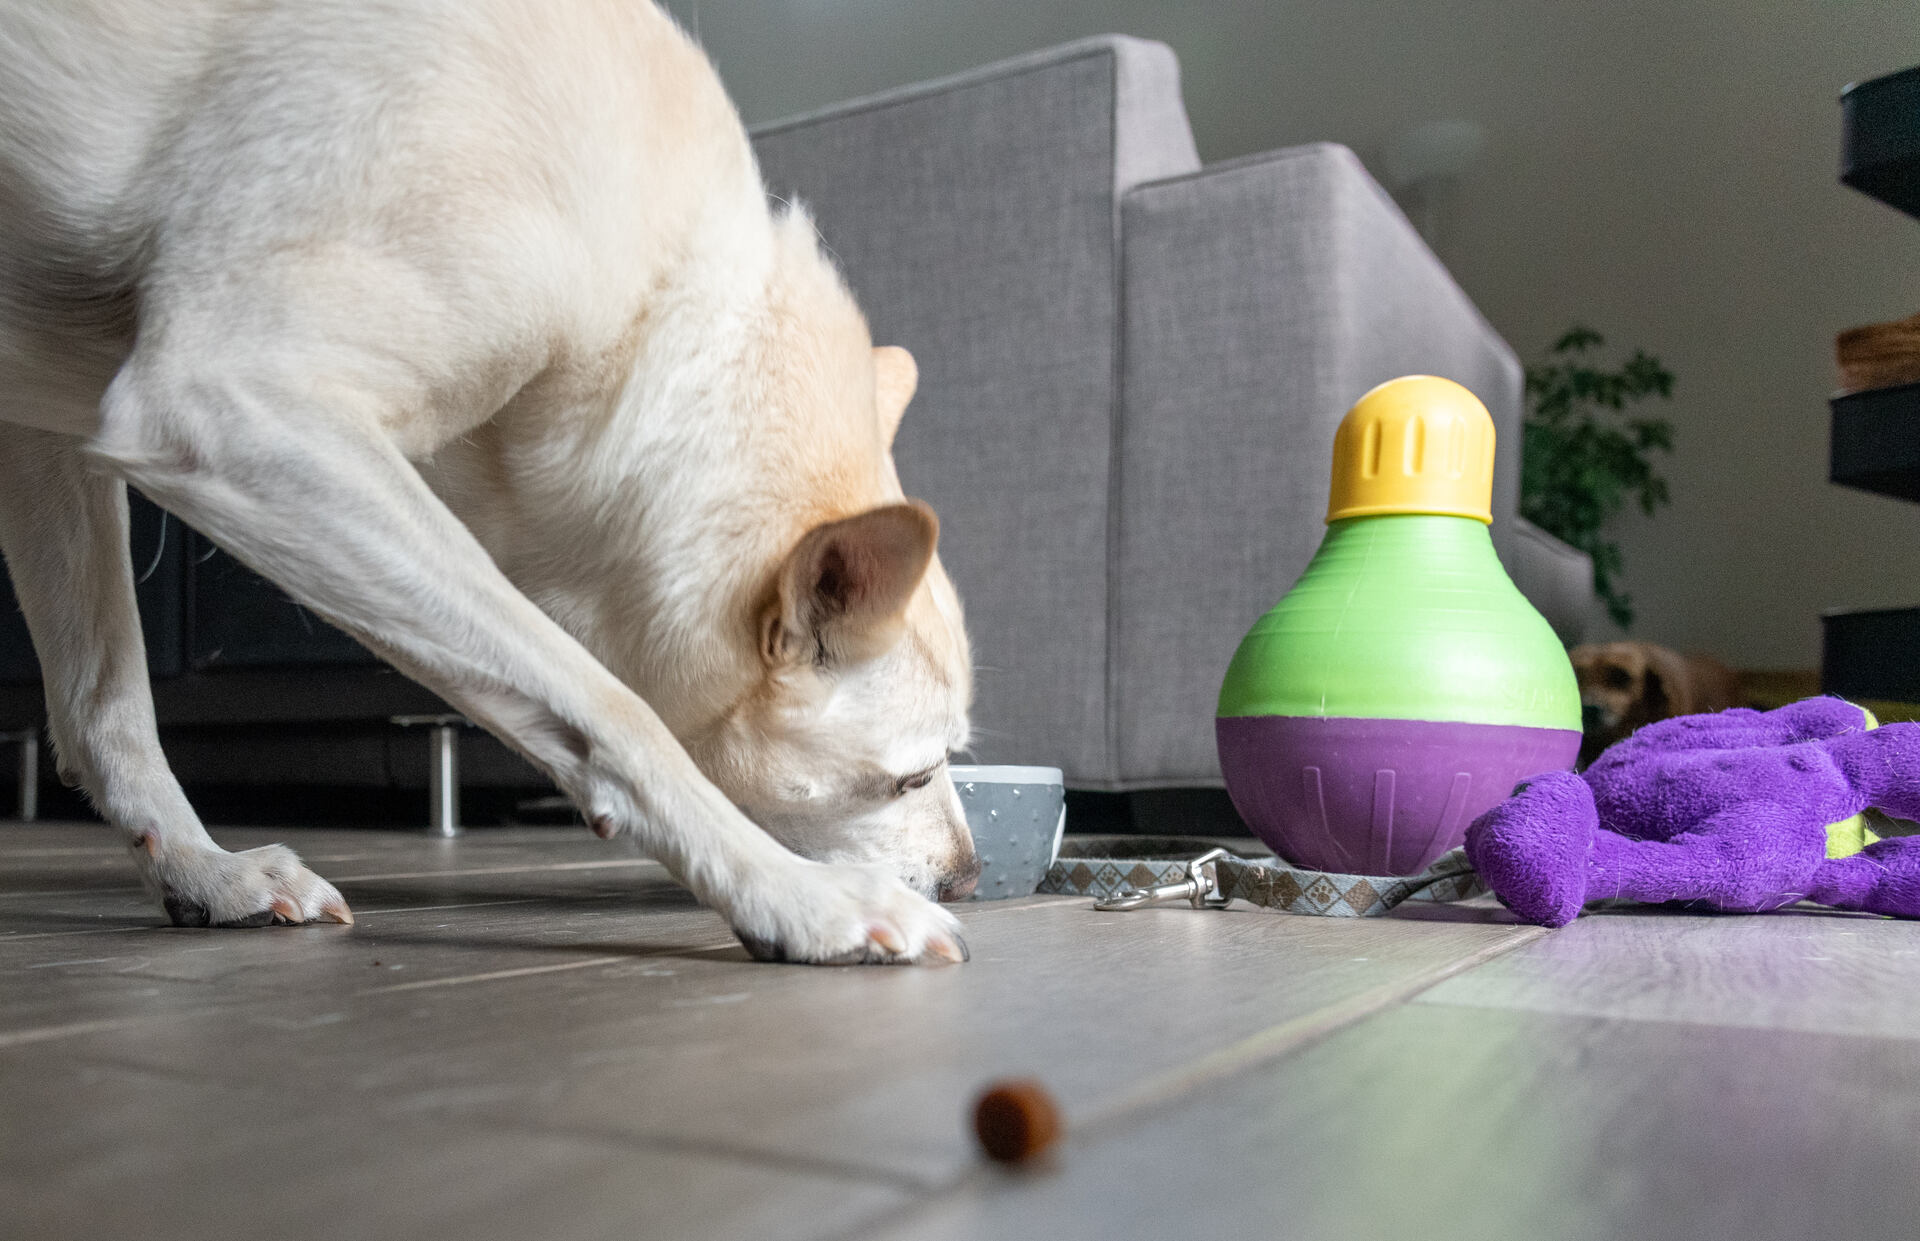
x=1593 y=717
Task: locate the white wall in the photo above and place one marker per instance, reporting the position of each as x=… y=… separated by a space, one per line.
x=1661 y=171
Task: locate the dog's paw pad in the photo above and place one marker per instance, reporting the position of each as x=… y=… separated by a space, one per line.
x=183 y=912
x=763 y=949
x=265 y=917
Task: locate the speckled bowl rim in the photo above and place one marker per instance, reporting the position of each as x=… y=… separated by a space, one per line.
x=1008 y=775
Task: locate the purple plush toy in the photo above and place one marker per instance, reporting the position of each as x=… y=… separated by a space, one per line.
x=1743 y=810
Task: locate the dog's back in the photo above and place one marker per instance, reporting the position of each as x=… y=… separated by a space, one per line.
x=175 y=135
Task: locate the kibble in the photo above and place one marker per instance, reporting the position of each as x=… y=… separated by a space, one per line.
x=1016 y=1120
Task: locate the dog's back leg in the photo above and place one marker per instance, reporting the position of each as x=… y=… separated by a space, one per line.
x=63 y=527
x=277 y=450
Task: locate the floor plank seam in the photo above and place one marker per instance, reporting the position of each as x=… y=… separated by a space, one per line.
x=524 y=971
x=1683 y=1022
x=1262 y=1049
x=521 y=868
x=22 y=936
x=1288 y=1038
x=758 y=1157
x=40 y=1034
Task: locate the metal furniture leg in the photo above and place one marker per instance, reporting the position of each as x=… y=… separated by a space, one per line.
x=443 y=769
x=29 y=742
x=443 y=781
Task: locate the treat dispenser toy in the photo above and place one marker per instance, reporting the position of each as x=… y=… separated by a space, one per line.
x=1404 y=685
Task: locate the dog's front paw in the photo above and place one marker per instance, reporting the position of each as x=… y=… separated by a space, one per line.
x=200 y=886
x=821 y=914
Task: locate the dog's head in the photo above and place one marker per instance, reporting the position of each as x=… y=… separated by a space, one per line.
x=839 y=745
x=1623 y=685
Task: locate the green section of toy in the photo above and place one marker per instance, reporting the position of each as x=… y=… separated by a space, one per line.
x=1406 y=617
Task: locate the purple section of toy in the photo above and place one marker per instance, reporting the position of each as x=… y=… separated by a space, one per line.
x=1376 y=797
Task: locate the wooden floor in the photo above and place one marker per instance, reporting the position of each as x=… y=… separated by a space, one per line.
x=531 y=1035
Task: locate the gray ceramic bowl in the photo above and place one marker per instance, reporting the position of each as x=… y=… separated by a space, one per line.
x=1016 y=815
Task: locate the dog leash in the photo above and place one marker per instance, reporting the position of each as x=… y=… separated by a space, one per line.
x=1128 y=872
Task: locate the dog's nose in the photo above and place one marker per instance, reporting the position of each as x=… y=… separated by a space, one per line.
x=959 y=889
x=1592 y=718
x=959 y=885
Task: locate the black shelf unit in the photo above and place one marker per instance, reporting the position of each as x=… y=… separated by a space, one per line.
x=1876 y=441
x=1872 y=654
x=1875 y=653
x=1880 y=139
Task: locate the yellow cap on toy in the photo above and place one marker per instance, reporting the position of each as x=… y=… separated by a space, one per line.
x=1417 y=444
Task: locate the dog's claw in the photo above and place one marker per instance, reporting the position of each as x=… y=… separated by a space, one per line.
x=886 y=939
x=336 y=910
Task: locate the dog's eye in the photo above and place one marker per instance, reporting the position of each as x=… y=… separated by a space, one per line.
x=907 y=784
x=1618 y=678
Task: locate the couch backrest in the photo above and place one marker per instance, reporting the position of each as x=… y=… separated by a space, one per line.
x=976 y=218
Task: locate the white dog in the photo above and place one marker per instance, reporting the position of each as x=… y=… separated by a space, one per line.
x=467 y=322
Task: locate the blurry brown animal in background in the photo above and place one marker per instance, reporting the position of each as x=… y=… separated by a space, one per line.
x=1624 y=685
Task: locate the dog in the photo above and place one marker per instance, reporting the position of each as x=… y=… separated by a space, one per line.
x=469 y=324
x=1624 y=685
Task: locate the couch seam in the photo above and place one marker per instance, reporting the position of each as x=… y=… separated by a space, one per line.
x=1116 y=421
x=1243 y=163
x=915 y=92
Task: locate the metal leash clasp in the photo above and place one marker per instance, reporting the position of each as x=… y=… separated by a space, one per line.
x=1201 y=888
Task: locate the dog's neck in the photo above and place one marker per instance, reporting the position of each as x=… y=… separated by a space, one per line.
x=645 y=498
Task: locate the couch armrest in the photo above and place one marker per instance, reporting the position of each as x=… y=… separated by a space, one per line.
x=1556 y=577
x=1262 y=297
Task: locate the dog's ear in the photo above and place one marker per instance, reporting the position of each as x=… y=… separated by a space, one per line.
x=1669 y=684
x=895 y=376
x=1654 y=702
x=843 y=591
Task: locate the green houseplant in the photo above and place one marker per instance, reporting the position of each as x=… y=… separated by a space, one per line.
x=1584 y=454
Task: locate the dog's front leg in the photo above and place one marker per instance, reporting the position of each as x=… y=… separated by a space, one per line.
x=316 y=496
x=63 y=527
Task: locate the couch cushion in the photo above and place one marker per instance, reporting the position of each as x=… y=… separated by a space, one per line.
x=975 y=219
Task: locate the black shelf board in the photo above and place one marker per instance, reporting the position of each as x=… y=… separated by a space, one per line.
x=1876 y=441
x=1871 y=654
x=1880 y=138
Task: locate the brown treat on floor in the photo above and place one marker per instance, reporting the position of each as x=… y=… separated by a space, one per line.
x=1016 y=1120
x=1879 y=355
x=1624 y=685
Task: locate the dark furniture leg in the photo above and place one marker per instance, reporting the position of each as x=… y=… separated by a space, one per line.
x=443 y=770
x=28 y=740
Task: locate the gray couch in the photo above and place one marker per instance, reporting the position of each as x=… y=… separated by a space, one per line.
x=1132 y=367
